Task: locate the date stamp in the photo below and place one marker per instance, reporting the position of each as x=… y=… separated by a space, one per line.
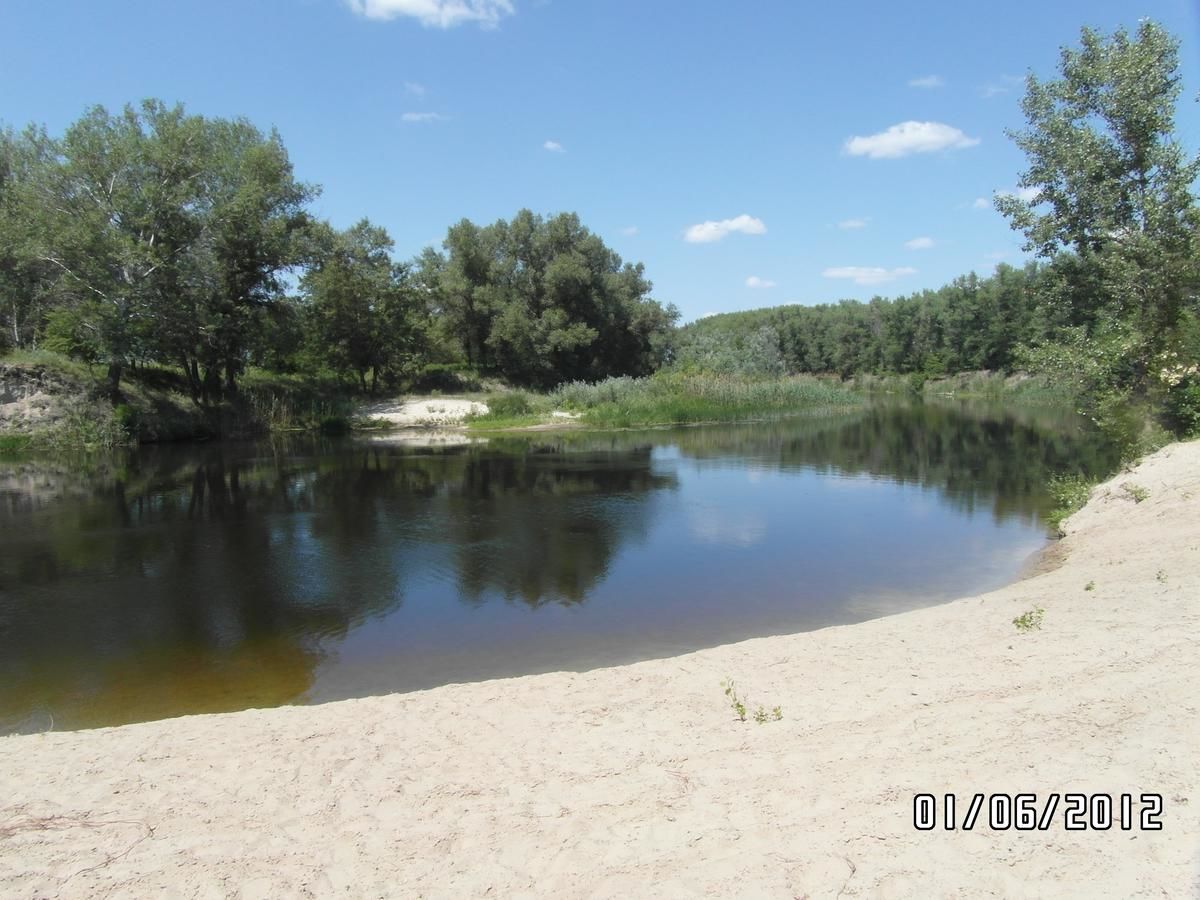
x=1028 y=812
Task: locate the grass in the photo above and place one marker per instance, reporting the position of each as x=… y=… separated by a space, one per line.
x=1135 y=491
x=668 y=398
x=1030 y=620
x=1070 y=493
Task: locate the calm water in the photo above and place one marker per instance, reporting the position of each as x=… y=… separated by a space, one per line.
x=220 y=577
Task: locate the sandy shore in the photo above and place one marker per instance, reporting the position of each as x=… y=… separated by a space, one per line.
x=638 y=781
x=424 y=411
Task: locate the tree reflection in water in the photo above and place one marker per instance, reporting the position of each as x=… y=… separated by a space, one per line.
x=192 y=579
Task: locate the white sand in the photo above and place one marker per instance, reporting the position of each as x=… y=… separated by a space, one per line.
x=425 y=411
x=637 y=782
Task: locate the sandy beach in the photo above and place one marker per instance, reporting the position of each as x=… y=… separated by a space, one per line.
x=639 y=780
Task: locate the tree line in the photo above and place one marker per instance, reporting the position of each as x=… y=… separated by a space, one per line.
x=1110 y=306
x=155 y=236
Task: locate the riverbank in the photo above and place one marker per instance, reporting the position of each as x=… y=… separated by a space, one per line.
x=640 y=779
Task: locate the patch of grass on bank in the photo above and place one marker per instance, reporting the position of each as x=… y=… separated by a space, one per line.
x=1070 y=493
x=15 y=443
x=666 y=399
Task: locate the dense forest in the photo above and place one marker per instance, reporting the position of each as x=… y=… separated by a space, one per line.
x=152 y=237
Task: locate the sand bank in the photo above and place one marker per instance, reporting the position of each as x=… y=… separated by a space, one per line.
x=638 y=781
x=424 y=411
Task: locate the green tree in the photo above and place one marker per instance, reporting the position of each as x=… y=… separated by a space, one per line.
x=544 y=300
x=1113 y=186
x=27 y=281
x=364 y=312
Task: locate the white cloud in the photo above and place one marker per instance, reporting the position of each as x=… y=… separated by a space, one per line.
x=927 y=81
x=981 y=203
x=1001 y=87
x=919 y=243
x=629 y=230
x=907 y=138
x=755 y=282
x=436 y=13
x=1029 y=194
x=422 y=117
x=417 y=90
x=868 y=275
x=707 y=232
x=554 y=147
x=847 y=224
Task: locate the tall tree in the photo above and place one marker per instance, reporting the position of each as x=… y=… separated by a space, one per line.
x=365 y=314
x=545 y=300
x=1112 y=184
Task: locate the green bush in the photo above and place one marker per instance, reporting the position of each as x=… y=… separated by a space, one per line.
x=508 y=405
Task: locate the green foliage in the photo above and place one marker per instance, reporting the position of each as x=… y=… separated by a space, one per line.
x=736 y=702
x=676 y=398
x=509 y=404
x=1070 y=493
x=445 y=378
x=1030 y=620
x=1112 y=183
x=754 y=352
x=364 y=315
x=739 y=704
x=1090 y=586
x=971 y=324
x=1136 y=492
x=542 y=301
x=15 y=443
x=1113 y=186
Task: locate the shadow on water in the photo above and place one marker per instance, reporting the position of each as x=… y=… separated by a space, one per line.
x=192 y=579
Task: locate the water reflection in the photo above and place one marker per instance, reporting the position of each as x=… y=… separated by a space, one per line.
x=177 y=580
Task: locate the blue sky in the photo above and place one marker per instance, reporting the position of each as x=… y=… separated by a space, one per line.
x=750 y=154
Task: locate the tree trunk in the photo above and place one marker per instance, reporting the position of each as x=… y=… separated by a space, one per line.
x=115 y=368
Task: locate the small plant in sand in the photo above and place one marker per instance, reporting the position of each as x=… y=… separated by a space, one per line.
x=1136 y=491
x=1030 y=620
x=761 y=715
x=1161 y=576
x=738 y=703
x=1090 y=586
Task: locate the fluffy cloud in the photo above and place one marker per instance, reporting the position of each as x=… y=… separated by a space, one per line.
x=847 y=224
x=907 y=138
x=629 y=230
x=755 y=282
x=927 y=81
x=1029 y=194
x=868 y=275
x=982 y=203
x=919 y=243
x=422 y=117
x=554 y=147
x=436 y=13
x=707 y=232
x=412 y=87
